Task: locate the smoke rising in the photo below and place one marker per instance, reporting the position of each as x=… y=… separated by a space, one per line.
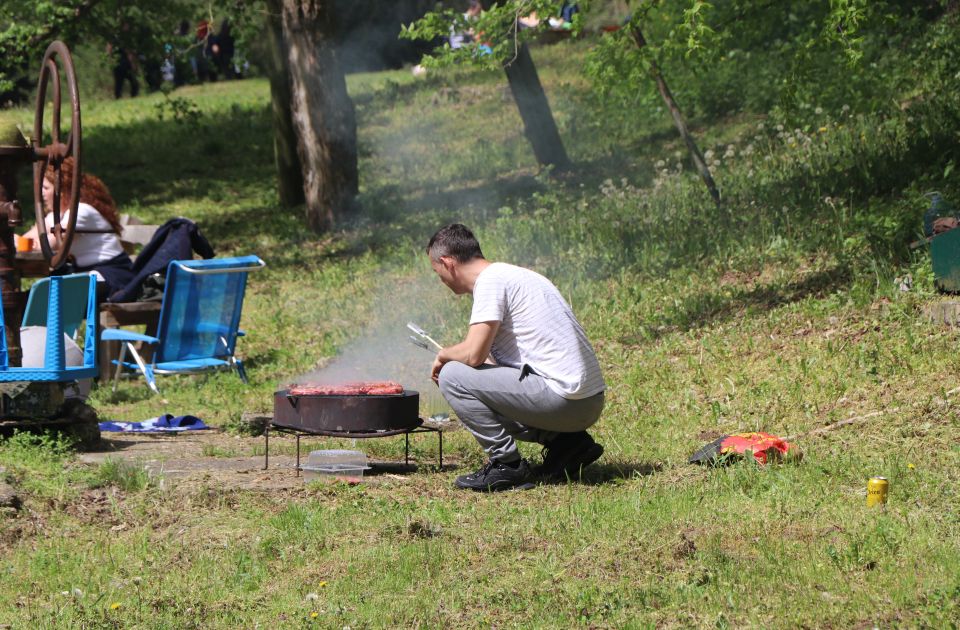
x=382 y=351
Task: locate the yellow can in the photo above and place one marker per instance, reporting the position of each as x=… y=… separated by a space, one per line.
x=877 y=489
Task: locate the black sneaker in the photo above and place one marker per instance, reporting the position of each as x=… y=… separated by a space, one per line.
x=494 y=477
x=567 y=455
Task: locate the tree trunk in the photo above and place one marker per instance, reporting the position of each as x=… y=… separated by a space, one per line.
x=289 y=170
x=538 y=123
x=322 y=112
x=667 y=96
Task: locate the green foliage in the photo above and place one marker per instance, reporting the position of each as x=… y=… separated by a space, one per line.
x=496 y=34
x=182 y=110
x=725 y=57
x=129 y=476
x=29 y=27
x=36 y=461
x=35 y=449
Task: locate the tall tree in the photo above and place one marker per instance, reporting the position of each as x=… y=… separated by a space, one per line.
x=289 y=170
x=321 y=112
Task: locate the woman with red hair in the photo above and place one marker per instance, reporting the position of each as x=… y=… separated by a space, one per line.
x=96 y=246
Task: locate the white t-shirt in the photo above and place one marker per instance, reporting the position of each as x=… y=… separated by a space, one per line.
x=537 y=328
x=90 y=248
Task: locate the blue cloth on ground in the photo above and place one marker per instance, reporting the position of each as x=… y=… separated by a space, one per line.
x=163 y=423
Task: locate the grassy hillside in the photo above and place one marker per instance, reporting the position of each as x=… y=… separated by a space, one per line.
x=779 y=312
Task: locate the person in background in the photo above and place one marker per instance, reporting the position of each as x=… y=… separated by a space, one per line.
x=181 y=55
x=125 y=69
x=225 y=50
x=459 y=39
x=198 y=58
x=525 y=370
x=211 y=51
x=568 y=10
x=96 y=243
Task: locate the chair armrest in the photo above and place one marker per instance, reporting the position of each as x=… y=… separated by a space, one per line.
x=241 y=333
x=115 y=334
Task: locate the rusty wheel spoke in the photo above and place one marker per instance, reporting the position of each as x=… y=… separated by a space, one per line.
x=52 y=155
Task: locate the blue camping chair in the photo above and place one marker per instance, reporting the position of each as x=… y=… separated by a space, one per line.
x=73 y=302
x=54 y=366
x=199 y=320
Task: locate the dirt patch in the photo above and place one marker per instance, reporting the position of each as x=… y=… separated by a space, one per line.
x=27 y=523
x=96 y=506
x=739 y=278
x=214 y=458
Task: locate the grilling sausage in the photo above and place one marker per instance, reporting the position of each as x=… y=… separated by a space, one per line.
x=363 y=388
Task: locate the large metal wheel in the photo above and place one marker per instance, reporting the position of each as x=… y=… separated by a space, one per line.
x=53 y=154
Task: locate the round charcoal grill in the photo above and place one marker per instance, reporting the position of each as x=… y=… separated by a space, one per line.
x=347 y=416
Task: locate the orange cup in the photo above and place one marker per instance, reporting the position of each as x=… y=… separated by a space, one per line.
x=24 y=244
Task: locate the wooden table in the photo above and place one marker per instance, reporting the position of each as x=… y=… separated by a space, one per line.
x=32 y=264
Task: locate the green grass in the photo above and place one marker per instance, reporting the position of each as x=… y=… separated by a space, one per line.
x=129 y=476
x=778 y=313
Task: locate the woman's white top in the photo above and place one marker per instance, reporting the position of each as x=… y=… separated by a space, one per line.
x=94 y=241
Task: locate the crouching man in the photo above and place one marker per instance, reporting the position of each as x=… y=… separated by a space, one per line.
x=525 y=370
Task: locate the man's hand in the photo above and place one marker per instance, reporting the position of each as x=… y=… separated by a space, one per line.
x=435 y=369
x=472 y=351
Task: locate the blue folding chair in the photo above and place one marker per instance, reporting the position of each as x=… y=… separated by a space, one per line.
x=54 y=365
x=73 y=302
x=199 y=320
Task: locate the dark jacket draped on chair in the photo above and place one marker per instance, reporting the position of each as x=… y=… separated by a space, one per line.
x=176 y=239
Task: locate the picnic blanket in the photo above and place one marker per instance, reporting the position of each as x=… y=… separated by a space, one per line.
x=161 y=424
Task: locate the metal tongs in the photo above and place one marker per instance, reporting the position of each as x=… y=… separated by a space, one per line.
x=421 y=334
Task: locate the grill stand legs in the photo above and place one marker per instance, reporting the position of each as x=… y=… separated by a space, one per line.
x=298 y=434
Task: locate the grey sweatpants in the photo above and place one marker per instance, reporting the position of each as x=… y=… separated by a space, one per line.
x=497 y=407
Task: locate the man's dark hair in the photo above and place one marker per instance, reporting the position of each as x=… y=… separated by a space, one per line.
x=455 y=240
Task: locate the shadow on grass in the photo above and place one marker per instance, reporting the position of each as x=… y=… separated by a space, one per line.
x=106 y=445
x=600 y=474
x=267 y=358
x=162 y=161
x=129 y=394
x=701 y=310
